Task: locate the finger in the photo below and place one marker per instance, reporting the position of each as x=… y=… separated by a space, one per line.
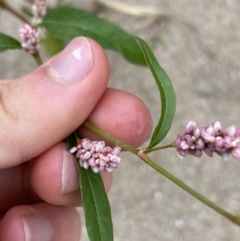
x=15 y=187
x=122 y=115
x=52 y=177
x=40 y=222
x=42 y=108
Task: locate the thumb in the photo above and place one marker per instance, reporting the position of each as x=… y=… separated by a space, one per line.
x=42 y=108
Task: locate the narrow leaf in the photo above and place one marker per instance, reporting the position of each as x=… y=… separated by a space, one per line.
x=167 y=94
x=96 y=206
x=95 y=202
x=7 y=42
x=66 y=22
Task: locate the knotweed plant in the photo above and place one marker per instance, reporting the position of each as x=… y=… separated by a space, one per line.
x=30 y=34
x=60 y=24
x=208 y=139
x=39 y=9
x=29 y=39
x=97 y=155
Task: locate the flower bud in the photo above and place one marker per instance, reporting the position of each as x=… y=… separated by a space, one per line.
x=96 y=155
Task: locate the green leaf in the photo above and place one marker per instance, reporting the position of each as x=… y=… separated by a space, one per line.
x=66 y=22
x=95 y=202
x=167 y=94
x=7 y=42
x=96 y=206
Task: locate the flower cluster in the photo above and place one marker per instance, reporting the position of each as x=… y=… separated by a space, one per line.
x=209 y=139
x=39 y=9
x=97 y=155
x=29 y=38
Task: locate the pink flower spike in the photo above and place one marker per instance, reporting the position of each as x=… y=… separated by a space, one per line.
x=39 y=9
x=73 y=149
x=116 y=150
x=100 y=145
x=96 y=155
x=217 y=129
x=115 y=159
x=191 y=125
x=29 y=39
x=200 y=144
x=210 y=139
x=219 y=142
x=102 y=163
x=97 y=161
x=184 y=145
x=113 y=164
x=87 y=155
x=234 y=143
x=228 y=143
x=217 y=126
x=91 y=162
x=209 y=130
x=237 y=134
x=109 y=169
x=196 y=153
x=189 y=140
x=236 y=152
x=95 y=169
x=207 y=137
x=197 y=133
x=208 y=152
x=231 y=131
x=85 y=165
x=86 y=144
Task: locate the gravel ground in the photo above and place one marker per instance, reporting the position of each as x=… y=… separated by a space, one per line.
x=198 y=46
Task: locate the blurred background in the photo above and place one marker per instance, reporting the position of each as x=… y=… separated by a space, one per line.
x=197 y=43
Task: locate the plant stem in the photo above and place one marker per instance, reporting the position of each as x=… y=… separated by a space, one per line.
x=155 y=166
x=158 y=148
x=37 y=58
x=110 y=138
x=8 y=8
x=188 y=189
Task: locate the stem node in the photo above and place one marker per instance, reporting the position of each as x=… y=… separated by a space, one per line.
x=141 y=154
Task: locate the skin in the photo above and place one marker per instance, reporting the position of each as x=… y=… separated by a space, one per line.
x=37 y=114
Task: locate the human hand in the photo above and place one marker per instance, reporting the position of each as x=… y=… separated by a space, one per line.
x=38 y=178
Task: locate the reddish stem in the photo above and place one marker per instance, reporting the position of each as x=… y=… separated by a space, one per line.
x=8 y=8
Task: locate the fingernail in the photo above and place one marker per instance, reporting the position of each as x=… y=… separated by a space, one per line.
x=70 y=181
x=74 y=62
x=37 y=228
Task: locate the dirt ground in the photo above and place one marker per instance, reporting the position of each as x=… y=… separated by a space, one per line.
x=198 y=46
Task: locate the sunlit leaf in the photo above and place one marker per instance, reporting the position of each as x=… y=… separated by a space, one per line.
x=67 y=22
x=7 y=42
x=167 y=94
